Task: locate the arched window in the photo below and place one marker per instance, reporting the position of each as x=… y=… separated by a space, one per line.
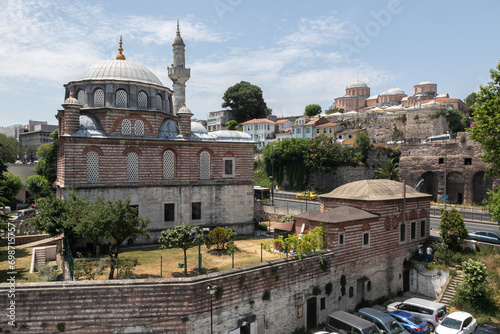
x=205 y=165
x=121 y=99
x=139 y=128
x=142 y=100
x=81 y=97
x=92 y=166
x=126 y=127
x=168 y=165
x=159 y=102
x=132 y=166
x=99 y=98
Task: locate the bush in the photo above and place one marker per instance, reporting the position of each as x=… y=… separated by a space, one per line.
x=48 y=272
x=221 y=238
x=263 y=227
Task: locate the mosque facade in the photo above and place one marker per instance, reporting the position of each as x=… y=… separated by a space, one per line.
x=123 y=134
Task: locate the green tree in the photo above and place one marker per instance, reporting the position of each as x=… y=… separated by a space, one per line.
x=48 y=168
x=30 y=153
x=12 y=183
x=309 y=243
x=8 y=148
x=453 y=230
x=312 y=110
x=112 y=223
x=246 y=102
x=3 y=201
x=492 y=203
x=389 y=169
x=485 y=129
x=37 y=185
x=181 y=236
x=43 y=150
x=332 y=110
x=363 y=142
x=471 y=99
x=396 y=133
x=221 y=238
x=456 y=120
x=474 y=290
x=231 y=125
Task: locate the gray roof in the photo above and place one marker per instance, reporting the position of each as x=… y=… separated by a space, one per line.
x=373 y=190
x=118 y=69
x=337 y=215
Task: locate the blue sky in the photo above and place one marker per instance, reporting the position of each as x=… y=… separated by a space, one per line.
x=298 y=52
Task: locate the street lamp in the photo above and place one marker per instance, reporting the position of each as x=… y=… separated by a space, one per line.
x=211 y=289
x=272 y=174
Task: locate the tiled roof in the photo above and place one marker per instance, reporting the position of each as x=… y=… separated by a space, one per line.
x=327 y=124
x=337 y=215
x=258 y=120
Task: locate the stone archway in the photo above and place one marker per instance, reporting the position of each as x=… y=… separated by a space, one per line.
x=455 y=187
x=480 y=184
x=429 y=185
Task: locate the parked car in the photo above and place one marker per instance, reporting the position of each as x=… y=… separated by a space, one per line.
x=410 y=322
x=384 y=322
x=20 y=214
x=457 y=322
x=344 y=323
x=427 y=310
x=310 y=195
x=485 y=236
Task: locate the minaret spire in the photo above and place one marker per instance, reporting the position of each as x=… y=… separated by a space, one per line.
x=178 y=73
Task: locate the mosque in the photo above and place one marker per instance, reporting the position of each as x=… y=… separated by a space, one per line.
x=357 y=98
x=122 y=133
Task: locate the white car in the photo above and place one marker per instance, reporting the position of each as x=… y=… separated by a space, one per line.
x=457 y=323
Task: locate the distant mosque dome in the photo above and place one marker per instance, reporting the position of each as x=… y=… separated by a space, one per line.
x=393 y=91
x=357 y=84
x=426 y=83
x=120 y=70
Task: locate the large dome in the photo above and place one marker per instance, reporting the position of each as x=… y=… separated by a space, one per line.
x=393 y=91
x=357 y=84
x=122 y=70
x=373 y=190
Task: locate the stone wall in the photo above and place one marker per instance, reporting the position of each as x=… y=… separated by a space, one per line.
x=26 y=239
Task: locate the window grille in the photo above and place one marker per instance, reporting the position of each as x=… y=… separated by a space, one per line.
x=92 y=166
x=139 y=128
x=142 y=100
x=168 y=164
x=159 y=102
x=99 y=98
x=126 y=127
x=132 y=166
x=81 y=97
x=205 y=165
x=121 y=99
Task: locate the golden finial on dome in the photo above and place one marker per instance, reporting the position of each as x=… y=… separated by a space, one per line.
x=70 y=94
x=120 y=56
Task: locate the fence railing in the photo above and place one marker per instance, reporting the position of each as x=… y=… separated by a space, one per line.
x=478 y=215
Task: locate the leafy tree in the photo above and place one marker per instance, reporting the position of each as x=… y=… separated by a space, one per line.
x=288 y=218
x=492 y=203
x=246 y=102
x=474 y=290
x=485 y=129
x=333 y=110
x=12 y=183
x=30 y=152
x=323 y=154
x=397 y=133
x=312 y=110
x=221 y=238
x=8 y=148
x=452 y=228
x=389 y=169
x=456 y=120
x=43 y=150
x=231 y=125
x=180 y=237
x=112 y=223
x=309 y=243
x=48 y=168
x=471 y=99
x=3 y=201
x=363 y=142
x=37 y=185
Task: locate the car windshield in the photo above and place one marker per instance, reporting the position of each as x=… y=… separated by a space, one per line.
x=394 y=327
x=452 y=323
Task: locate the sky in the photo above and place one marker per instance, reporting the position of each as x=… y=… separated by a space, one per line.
x=297 y=52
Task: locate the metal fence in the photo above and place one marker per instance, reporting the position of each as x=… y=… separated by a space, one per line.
x=478 y=215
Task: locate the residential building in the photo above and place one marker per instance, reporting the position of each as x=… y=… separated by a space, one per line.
x=348 y=137
x=217 y=119
x=328 y=129
x=261 y=130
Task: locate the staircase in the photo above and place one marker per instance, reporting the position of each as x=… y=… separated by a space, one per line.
x=450 y=289
x=40 y=257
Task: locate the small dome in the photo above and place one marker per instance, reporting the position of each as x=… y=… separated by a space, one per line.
x=119 y=69
x=197 y=127
x=357 y=84
x=373 y=190
x=71 y=100
x=393 y=91
x=184 y=110
x=425 y=83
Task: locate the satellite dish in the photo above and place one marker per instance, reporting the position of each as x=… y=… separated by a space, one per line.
x=302 y=228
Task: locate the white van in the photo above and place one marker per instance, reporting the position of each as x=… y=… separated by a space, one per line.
x=442 y=137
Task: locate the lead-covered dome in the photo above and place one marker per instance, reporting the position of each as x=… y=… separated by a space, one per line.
x=121 y=70
x=357 y=84
x=393 y=91
x=373 y=190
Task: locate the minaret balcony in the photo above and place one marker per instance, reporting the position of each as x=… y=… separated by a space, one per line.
x=179 y=73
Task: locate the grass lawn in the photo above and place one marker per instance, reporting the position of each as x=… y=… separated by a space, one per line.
x=154 y=263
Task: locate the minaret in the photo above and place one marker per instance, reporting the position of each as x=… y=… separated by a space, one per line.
x=178 y=73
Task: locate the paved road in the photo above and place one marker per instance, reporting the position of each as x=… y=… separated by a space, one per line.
x=471 y=226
